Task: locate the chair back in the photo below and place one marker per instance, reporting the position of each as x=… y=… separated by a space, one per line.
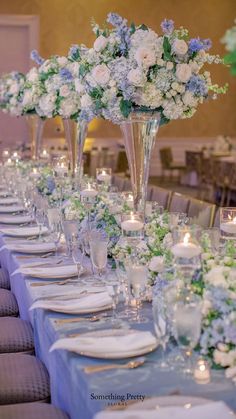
x=166 y=157
x=217 y=218
x=179 y=203
x=201 y=212
x=119 y=182
x=193 y=160
x=161 y=195
x=122 y=162
x=127 y=185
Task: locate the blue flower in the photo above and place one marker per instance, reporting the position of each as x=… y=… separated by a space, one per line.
x=50 y=184
x=65 y=74
x=197 y=86
x=197 y=44
x=167 y=26
x=74 y=52
x=230 y=334
x=116 y=20
x=36 y=57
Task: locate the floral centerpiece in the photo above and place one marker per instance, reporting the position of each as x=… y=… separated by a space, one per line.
x=139 y=79
x=11 y=87
x=74 y=209
x=229 y=39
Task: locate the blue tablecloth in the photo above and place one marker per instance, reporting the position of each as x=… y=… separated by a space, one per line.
x=81 y=395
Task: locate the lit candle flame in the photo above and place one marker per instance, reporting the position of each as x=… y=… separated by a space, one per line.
x=186 y=239
x=230 y=219
x=103 y=172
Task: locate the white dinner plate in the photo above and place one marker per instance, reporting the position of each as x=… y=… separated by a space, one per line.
x=23 y=231
x=15 y=219
x=51 y=272
x=9 y=200
x=31 y=248
x=5 y=209
x=114 y=355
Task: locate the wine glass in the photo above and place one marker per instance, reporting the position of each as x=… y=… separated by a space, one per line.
x=187 y=318
x=161 y=326
x=98 y=251
x=56 y=232
x=78 y=256
x=40 y=217
x=137 y=279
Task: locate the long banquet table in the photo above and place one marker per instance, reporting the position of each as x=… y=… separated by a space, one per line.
x=81 y=395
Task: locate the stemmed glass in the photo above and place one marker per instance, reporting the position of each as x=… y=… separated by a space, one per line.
x=40 y=217
x=78 y=256
x=137 y=279
x=88 y=196
x=56 y=232
x=161 y=326
x=187 y=318
x=98 y=251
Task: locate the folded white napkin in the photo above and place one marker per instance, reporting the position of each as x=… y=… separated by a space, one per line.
x=37 y=248
x=82 y=304
x=8 y=201
x=65 y=271
x=48 y=290
x=214 y=410
x=23 y=231
x=115 y=345
x=12 y=208
x=15 y=219
x=4 y=192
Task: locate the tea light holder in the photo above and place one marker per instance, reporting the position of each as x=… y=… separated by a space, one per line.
x=228 y=223
x=128 y=199
x=202 y=373
x=35 y=175
x=132 y=225
x=45 y=155
x=103 y=176
x=185 y=243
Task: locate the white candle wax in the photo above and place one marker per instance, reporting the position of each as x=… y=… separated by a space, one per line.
x=104 y=177
x=89 y=193
x=202 y=373
x=132 y=225
x=228 y=227
x=189 y=250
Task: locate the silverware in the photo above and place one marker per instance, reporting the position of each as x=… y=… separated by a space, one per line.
x=43 y=264
x=94 y=318
x=45 y=255
x=64 y=282
x=129 y=365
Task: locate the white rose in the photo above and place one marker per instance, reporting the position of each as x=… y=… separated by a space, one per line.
x=189 y=99
x=135 y=77
x=179 y=47
x=169 y=65
x=206 y=306
x=13 y=89
x=156 y=264
x=216 y=276
x=27 y=98
x=100 y=43
x=62 y=61
x=32 y=75
x=86 y=101
x=65 y=90
x=183 y=72
x=47 y=104
x=101 y=74
x=145 y=57
x=68 y=107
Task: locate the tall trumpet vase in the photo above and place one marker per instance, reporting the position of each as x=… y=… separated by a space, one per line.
x=75 y=133
x=36 y=125
x=139 y=132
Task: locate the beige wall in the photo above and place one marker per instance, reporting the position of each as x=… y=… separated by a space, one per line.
x=64 y=22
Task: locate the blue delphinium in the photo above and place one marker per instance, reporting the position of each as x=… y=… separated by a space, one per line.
x=66 y=75
x=197 y=86
x=197 y=44
x=36 y=57
x=167 y=26
x=74 y=52
x=116 y=20
x=122 y=30
x=50 y=184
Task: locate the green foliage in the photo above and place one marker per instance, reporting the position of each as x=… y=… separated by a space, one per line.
x=125 y=107
x=167 y=49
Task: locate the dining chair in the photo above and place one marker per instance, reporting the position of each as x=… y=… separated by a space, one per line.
x=179 y=203
x=4 y=279
x=34 y=410
x=127 y=185
x=8 y=304
x=217 y=218
x=119 y=182
x=168 y=164
x=201 y=212
x=161 y=196
x=16 y=336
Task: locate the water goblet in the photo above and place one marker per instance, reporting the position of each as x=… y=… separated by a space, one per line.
x=98 y=252
x=137 y=279
x=40 y=217
x=78 y=256
x=161 y=326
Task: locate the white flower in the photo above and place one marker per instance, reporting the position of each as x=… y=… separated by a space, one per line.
x=189 y=99
x=68 y=106
x=33 y=75
x=100 y=43
x=148 y=96
x=101 y=74
x=183 y=72
x=79 y=87
x=65 y=90
x=136 y=77
x=179 y=47
x=86 y=101
x=145 y=57
x=216 y=276
x=14 y=88
x=46 y=105
x=156 y=264
x=62 y=61
x=206 y=306
x=169 y=65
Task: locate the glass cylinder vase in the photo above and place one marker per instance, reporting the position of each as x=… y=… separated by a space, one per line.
x=75 y=133
x=139 y=132
x=36 y=125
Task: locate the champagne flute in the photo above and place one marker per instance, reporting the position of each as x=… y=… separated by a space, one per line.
x=40 y=220
x=98 y=252
x=78 y=256
x=56 y=232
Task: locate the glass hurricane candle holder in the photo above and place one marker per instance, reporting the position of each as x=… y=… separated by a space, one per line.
x=202 y=372
x=132 y=225
x=228 y=223
x=103 y=176
x=88 y=196
x=60 y=167
x=186 y=250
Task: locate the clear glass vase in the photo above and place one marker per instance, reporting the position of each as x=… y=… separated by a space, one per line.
x=139 y=132
x=75 y=133
x=36 y=125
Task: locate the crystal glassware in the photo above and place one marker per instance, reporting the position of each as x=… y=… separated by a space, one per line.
x=228 y=223
x=132 y=225
x=137 y=280
x=161 y=326
x=78 y=256
x=40 y=217
x=187 y=325
x=98 y=251
x=103 y=176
